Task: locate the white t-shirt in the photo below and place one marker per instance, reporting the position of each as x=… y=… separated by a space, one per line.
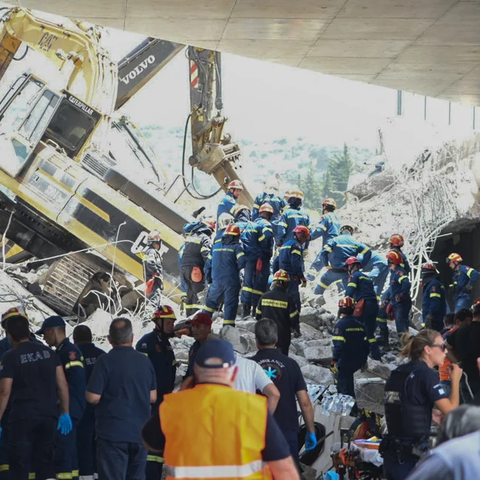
x=251 y=376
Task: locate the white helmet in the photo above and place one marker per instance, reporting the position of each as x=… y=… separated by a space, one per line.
x=271 y=185
x=224 y=220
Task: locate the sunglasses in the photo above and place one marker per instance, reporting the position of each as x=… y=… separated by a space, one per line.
x=442 y=346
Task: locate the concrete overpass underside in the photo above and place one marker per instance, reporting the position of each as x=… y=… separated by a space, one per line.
x=431 y=47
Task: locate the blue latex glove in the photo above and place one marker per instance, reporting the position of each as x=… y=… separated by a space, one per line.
x=310 y=442
x=65 y=424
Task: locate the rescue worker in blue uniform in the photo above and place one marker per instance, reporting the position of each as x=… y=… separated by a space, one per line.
x=54 y=333
x=396 y=242
x=224 y=221
x=229 y=201
x=411 y=392
x=197 y=247
x=350 y=347
x=360 y=288
x=399 y=291
x=257 y=239
x=434 y=306
x=328 y=228
x=156 y=345
x=290 y=259
x=335 y=254
x=464 y=279
x=152 y=267
x=292 y=216
x=377 y=269
x=269 y=195
x=228 y=258
x=86 y=445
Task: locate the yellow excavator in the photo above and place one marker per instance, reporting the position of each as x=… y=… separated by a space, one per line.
x=62 y=186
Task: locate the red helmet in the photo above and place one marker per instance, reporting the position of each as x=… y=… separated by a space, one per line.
x=396 y=240
x=329 y=201
x=266 y=207
x=302 y=229
x=211 y=224
x=281 y=276
x=12 y=312
x=164 y=311
x=454 y=257
x=154 y=237
x=394 y=257
x=429 y=267
x=232 y=230
x=476 y=302
x=347 y=302
x=235 y=184
x=351 y=261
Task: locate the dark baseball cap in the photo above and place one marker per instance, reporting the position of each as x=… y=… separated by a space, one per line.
x=216 y=348
x=50 y=322
x=201 y=318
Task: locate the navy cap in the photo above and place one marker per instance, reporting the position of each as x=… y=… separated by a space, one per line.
x=216 y=348
x=50 y=322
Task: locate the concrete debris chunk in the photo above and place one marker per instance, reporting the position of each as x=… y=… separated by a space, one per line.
x=318 y=375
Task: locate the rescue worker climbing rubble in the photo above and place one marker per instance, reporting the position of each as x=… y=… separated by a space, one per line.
x=399 y=291
x=396 y=242
x=257 y=239
x=269 y=195
x=360 y=288
x=464 y=279
x=197 y=248
x=224 y=221
x=228 y=258
x=335 y=254
x=293 y=215
x=229 y=201
x=156 y=346
x=290 y=259
x=152 y=267
x=350 y=347
x=377 y=269
x=434 y=305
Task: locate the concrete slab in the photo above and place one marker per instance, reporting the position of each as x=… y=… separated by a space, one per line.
x=205 y=9
x=437 y=54
x=453 y=71
x=361 y=48
x=431 y=87
x=468 y=99
x=462 y=13
x=448 y=35
x=356 y=66
x=266 y=48
x=79 y=9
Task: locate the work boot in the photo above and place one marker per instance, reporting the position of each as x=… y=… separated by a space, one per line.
x=246 y=307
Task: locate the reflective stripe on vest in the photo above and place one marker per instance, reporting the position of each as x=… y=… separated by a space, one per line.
x=219 y=471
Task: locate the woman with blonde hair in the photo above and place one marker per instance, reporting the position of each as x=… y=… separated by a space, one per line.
x=411 y=393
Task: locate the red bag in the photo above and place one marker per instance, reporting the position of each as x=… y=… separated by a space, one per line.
x=358 y=312
x=390 y=312
x=149 y=286
x=258 y=267
x=196 y=275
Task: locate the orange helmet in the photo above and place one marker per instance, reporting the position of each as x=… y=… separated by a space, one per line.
x=12 y=312
x=347 y=302
x=232 y=230
x=154 y=237
x=302 y=229
x=287 y=194
x=454 y=257
x=396 y=240
x=296 y=194
x=266 y=207
x=329 y=201
x=235 y=184
x=164 y=311
x=394 y=257
x=281 y=276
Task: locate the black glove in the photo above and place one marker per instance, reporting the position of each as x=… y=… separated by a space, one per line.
x=468 y=288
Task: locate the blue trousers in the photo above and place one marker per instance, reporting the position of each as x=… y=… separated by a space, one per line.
x=378 y=273
x=463 y=300
x=255 y=285
x=291 y=436
x=154 y=467
x=229 y=293
x=66 y=461
x=329 y=277
x=394 y=470
x=4 y=471
x=344 y=379
x=317 y=264
x=86 y=443
x=292 y=290
x=402 y=315
x=120 y=460
x=369 y=321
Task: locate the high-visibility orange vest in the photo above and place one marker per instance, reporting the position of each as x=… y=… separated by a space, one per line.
x=213 y=430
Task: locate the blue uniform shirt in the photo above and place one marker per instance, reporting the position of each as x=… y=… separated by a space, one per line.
x=90 y=354
x=399 y=285
x=463 y=277
x=227 y=205
x=433 y=301
x=290 y=219
x=160 y=352
x=275 y=201
x=350 y=345
x=338 y=249
x=228 y=258
x=360 y=287
x=72 y=361
x=257 y=239
x=124 y=378
x=327 y=228
x=290 y=259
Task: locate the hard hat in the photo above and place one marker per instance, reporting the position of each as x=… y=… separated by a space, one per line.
x=296 y=194
x=241 y=208
x=302 y=229
x=347 y=302
x=428 y=268
x=454 y=257
x=271 y=185
x=235 y=184
x=396 y=240
x=266 y=207
x=329 y=201
x=394 y=257
x=232 y=230
x=12 y=312
x=287 y=194
x=351 y=261
x=154 y=237
x=224 y=220
x=281 y=276
x=164 y=311
x=210 y=223
x=347 y=226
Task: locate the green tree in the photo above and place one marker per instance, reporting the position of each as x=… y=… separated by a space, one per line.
x=335 y=179
x=311 y=186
